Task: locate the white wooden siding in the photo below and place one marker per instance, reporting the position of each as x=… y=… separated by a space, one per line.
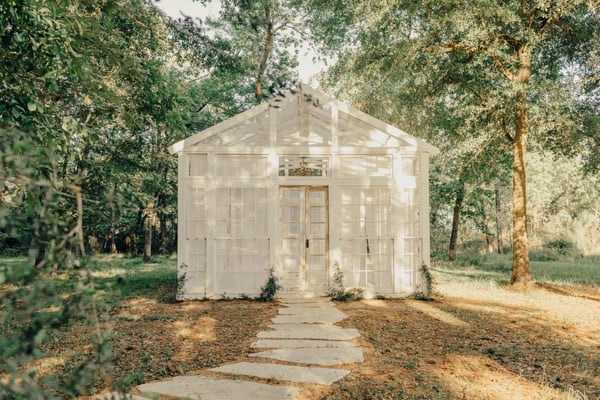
x=363 y=200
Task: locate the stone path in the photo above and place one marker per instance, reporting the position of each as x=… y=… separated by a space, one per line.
x=303 y=336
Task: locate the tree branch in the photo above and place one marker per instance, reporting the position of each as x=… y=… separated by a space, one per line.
x=509 y=75
x=265 y=56
x=506 y=132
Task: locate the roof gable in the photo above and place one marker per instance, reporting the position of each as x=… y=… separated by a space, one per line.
x=302 y=117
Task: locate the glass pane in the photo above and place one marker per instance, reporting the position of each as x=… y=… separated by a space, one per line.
x=291 y=246
x=241 y=166
x=317 y=214
x=317 y=197
x=317 y=262
x=409 y=166
x=317 y=246
x=291 y=196
x=197 y=165
x=291 y=229
x=303 y=166
x=319 y=230
x=291 y=213
x=291 y=263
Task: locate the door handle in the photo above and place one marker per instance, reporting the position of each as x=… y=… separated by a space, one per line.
x=307 y=242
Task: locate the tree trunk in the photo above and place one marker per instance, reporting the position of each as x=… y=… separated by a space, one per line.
x=258 y=92
x=460 y=195
x=521 y=275
x=148 y=233
x=489 y=240
x=113 y=219
x=498 y=221
x=113 y=233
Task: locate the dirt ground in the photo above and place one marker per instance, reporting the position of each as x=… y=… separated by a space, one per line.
x=478 y=341
x=473 y=341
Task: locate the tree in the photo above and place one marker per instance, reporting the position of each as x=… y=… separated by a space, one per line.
x=505 y=60
x=83 y=87
x=243 y=57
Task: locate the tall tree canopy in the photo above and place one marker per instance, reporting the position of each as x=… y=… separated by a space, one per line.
x=88 y=104
x=501 y=70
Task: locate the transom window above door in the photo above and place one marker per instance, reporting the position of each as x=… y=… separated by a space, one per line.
x=303 y=166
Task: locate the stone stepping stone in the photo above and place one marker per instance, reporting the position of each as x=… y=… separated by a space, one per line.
x=305 y=308
x=201 y=387
x=305 y=305
x=310 y=318
x=313 y=300
x=318 y=356
x=308 y=331
x=290 y=373
x=299 y=343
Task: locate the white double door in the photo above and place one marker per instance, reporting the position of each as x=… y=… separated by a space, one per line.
x=304 y=232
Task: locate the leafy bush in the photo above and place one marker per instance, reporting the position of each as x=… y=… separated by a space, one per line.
x=488 y=262
x=268 y=292
x=33 y=305
x=428 y=283
x=339 y=293
x=563 y=247
x=543 y=255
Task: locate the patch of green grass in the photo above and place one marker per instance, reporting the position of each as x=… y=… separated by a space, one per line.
x=116 y=277
x=585 y=270
x=130 y=277
x=497 y=267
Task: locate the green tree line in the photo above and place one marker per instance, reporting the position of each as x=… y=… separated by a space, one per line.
x=92 y=92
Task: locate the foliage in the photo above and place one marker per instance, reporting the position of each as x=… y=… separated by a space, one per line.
x=244 y=56
x=427 y=285
x=92 y=93
x=563 y=247
x=76 y=104
x=224 y=297
x=475 y=79
x=338 y=292
x=33 y=308
x=268 y=292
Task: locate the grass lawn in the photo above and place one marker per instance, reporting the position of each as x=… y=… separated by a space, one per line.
x=475 y=340
x=580 y=270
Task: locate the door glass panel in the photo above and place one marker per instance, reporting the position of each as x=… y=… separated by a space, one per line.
x=291 y=229
x=318 y=229
x=317 y=246
x=317 y=214
x=317 y=198
x=290 y=246
x=304 y=235
x=291 y=213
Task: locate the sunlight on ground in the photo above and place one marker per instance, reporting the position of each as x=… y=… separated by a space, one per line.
x=109 y=273
x=47 y=365
x=574 y=319
x=202 y=329
x=436 y=313
x=135 y=309
x=41 y=367
x=375 y=303
x=476 y=377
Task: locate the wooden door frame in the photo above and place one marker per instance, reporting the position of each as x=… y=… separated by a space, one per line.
x=305 y=189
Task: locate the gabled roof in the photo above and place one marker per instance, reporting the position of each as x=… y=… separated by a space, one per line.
x=302 y=117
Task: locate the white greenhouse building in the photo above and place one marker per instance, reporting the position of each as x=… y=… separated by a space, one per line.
x=303 y=184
